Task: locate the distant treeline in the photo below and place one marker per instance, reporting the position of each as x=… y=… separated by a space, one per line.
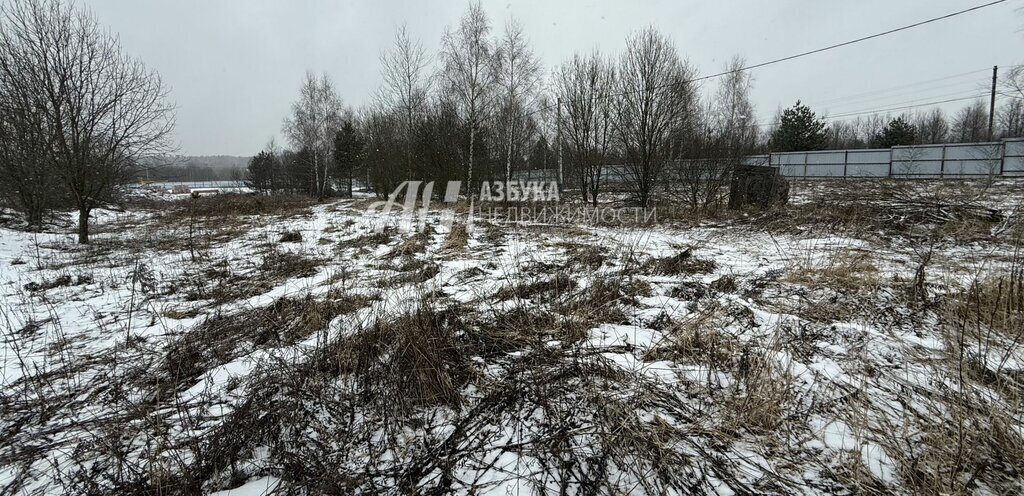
x=484 y=109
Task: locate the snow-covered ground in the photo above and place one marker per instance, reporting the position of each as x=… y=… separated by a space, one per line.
x=324 y=349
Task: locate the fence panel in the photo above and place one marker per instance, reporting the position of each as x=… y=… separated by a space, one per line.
x=977 y=159
x=826 y=164
x=923 y=161
x=1013 y=157
x=867 y=163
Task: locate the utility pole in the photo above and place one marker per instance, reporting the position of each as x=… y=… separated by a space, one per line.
x=558 y=124
x=992 y=102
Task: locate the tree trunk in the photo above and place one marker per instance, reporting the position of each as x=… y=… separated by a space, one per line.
x=83 y=225
x=472 y=141
x=349 y=185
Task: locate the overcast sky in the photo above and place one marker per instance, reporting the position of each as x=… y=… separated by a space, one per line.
x=235 y=66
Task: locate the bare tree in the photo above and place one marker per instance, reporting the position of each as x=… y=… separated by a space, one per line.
x=1013 y=81
x=732 y=113
x=469 y=74
x=931 y=127
x=718 y=141
x=1011 y=119
x=656 y=98
x=844 y=134
x=584 y=87
x=869 y=126
x=971 y=123
x=518 y=77
x=1011 y=116
x=99 y=110
x=383 y=155
x=405 y=87
x=315 y=119
x=27 y=182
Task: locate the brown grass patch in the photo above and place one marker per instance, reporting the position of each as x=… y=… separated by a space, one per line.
x=228 y=205
x=220 y=339
x=274 y=267
x=417 y=243
x=845 y=270
x=408 y=362
x=457 y=238
x=682 y=263
x=554 y=287
x=585 y=256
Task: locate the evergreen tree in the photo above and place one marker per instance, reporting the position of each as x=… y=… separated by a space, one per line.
x=261 y=171
x=897 y=132
x=799 y=130
x=348 y=147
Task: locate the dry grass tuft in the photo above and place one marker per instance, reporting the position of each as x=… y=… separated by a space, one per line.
x=415 y=360
x=552 y=288
x=844 y=270
x=457 y=238
x=585 y=256
x=227 y=286
x=682 y=263
x=414 y=271
x=60 y=281
x=222 y=338
x=417 y=243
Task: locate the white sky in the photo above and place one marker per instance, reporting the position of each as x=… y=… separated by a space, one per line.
x=235 y=66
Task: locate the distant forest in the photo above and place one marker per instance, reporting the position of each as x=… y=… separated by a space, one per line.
x=195 y=168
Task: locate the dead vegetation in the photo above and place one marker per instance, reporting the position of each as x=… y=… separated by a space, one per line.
x=891 y=208
x=235 y=205
x=63 y=280
x=509 y=384
x=223 y=338
x=681 y=263
x=457 y=237
x=841 y=270
x=222 y=284
x=412 y=245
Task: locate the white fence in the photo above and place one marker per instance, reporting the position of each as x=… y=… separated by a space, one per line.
x=963 y=160
x=954 y=160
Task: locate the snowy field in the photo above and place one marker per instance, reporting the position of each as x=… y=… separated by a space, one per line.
x=243 y=345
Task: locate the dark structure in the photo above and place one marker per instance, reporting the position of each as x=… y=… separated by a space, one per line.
x=757 y=186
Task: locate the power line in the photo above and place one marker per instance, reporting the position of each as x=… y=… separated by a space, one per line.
x=884 y=110
x=904 y=86
x=858 y=40
x=973 y=91
x=804 y=54
x=894 y=98
x=905 y=107
x=889 y=107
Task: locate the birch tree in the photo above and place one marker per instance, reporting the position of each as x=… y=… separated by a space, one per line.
x=315 y=119
x=468 y=74
x=405 y=87
x=732 y=111
x=518 y=77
